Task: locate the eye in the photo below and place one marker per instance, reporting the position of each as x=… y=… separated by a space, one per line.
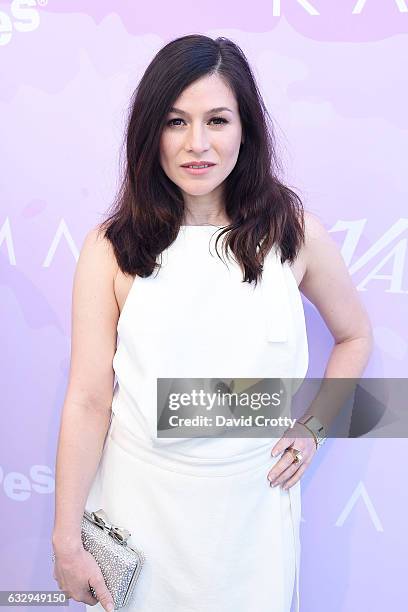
x=171 y=122
x=221 y=119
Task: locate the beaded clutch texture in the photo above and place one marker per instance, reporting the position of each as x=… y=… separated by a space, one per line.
x=119 y=563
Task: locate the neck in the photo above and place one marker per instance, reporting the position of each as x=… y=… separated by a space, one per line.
x=217 y=219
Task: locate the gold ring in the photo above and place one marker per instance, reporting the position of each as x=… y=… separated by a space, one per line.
x=297 y=455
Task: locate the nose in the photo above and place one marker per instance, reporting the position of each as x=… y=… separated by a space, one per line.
x=197 y=139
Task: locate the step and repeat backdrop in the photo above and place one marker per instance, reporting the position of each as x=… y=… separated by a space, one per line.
x=333 y=76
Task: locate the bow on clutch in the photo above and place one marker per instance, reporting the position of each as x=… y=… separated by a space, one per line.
x=101 y=519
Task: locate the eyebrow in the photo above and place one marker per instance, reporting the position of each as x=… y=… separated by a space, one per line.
x=217 y=109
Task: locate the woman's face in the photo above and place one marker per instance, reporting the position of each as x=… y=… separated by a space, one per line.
x=196 y=135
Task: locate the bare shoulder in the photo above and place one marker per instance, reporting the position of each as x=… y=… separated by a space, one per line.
x=100 y=248
x=313 y=229
x=328 y=285
x=319 y=252
x=94 y=319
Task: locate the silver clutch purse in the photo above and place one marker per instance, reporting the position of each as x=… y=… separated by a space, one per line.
x=119 y=563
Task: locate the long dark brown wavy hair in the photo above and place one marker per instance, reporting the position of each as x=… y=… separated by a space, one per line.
x=148 y=210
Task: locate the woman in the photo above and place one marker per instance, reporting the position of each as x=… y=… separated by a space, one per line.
x=216 y=535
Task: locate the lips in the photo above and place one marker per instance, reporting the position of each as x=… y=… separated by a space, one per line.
x=197 y=163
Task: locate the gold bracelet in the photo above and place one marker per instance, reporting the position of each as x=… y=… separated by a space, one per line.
x=311 y=431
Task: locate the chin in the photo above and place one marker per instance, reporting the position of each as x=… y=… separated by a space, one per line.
x=199 y=191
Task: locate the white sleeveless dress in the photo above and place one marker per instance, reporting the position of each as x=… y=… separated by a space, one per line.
x=216 y=536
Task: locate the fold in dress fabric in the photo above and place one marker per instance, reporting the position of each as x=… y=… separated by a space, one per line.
x=216 y=536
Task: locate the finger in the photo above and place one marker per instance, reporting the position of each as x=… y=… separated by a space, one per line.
x=284 y=475
x=281 y=446
x=91 y=592
x=89 y=599
x=92 y=588
x=280 y=466
x=102 y=593
x=83 y=596
x=296 y=476
x=279 y=474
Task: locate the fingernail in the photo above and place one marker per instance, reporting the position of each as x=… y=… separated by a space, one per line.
x=110 y=607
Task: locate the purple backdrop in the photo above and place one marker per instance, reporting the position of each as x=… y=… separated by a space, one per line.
x=332 y=76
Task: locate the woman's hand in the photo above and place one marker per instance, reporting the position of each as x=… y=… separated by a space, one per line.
x=76 y=571
x=285 y=471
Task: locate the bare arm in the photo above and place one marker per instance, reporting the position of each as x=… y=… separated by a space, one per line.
x=328 y=285
x=87 y=406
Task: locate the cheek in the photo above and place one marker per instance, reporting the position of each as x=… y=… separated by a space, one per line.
x=165 y=145
x=231 y=153
x=230 y=146
x=168 y=149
